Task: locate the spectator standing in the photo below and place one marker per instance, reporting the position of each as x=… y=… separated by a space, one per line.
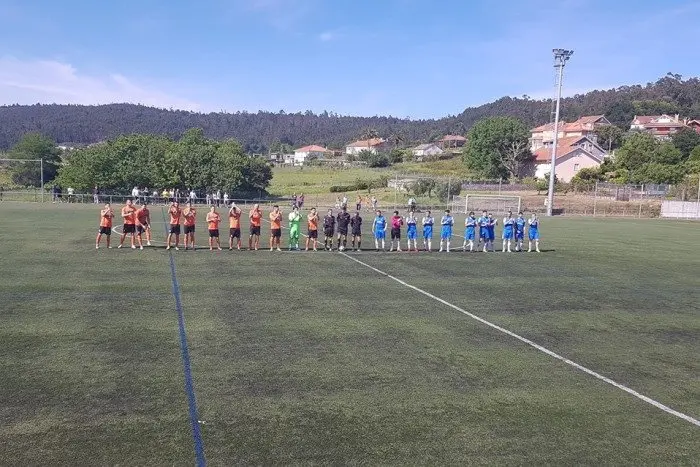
x=193 y=196
x=226 y=199
x=145 y=194
x=301 y=201
x=95 y=195
x=135 y=194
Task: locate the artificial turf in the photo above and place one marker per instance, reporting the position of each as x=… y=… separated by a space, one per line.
x=311 y=358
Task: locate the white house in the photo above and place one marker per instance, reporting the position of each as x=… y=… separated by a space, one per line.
x=428 y=149
x=313 y=151
x=373 y=145
x=584 y=126
x=288 y=159
x=573 y=154
x=661 y=126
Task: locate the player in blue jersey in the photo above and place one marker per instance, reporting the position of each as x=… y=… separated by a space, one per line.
x=483 y=223
x=412 y=230
x=446 y=222
x=469 y=231
x=508 y=231
x=533 y=233
x=520 y=224
x=428 y=222
x=492 y=231
x=379 y=230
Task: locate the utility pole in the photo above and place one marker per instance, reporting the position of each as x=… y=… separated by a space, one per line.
x=560 y=58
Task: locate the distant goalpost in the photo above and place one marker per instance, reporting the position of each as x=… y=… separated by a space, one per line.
x=495 y=204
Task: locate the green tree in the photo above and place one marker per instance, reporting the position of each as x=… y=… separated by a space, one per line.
x=586 y=178
x=378 y=160
x=34 y=146
x=667 y=153
x=655 y=172
x=424 y=186
x=446 y=190
x=637 y=150
x=695 y=154
x=609 y=137
x=497 y=147
x=686 y=140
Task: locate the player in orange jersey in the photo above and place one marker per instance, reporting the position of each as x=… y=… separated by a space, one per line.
x=190 y=215
x=213 y=220
x=174 y=228
x=275 y=228
x=106 y=216
x=143 y=223
x=129 y=227
x=312 y=236
x=255 y=217
x=234 y=231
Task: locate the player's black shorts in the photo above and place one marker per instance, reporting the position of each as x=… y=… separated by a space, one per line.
x=129 y=228
x=234 y=233
x=106 y=230
x=343 y=232
x=328 y=232
x=313 y=233
x=213 y=233
x=396 y=234
x=189 y=229
x=255 y=230
x=174 y=229
x=358 y=207
x=276 y=233
x=356 y=233
x=141 y=228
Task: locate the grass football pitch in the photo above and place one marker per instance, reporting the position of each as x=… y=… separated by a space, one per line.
x=313 y=358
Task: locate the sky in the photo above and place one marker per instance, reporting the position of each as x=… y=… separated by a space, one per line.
x=406 y=58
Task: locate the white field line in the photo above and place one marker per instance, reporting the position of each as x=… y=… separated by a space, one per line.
x=582 y=368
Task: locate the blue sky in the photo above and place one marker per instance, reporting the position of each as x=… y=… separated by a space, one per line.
x=407 y=58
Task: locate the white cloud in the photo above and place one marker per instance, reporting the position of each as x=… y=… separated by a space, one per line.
x=51 y=81
x=327 y=36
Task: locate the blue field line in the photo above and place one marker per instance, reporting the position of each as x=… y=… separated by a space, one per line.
x=184 y=350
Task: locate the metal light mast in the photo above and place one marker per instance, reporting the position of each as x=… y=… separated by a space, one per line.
x=560 y=58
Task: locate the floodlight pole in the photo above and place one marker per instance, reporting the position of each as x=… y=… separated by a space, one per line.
x=42 y=178
x=560 y=58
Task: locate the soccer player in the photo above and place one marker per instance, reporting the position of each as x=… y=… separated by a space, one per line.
x=396 y=223
x=213 y=220
x=483 y=223
x=358 y=203
x=255 y=217
x=533 y=233
x=508 y=228
x=143 y=218
x=175 y=213
x=520 y=224
x=343 y=224
x=447 y=222
x=492 y=231
x=356 y=225
x=275 y=228
x=106 y=216
x=129 y=228
x=312 y=234
x=234 y=224
x=379 y=229
x=469 y=231
x=412 y=231
x=190 y=215
x=294 y=221
x=329 y=230
x=428 y=222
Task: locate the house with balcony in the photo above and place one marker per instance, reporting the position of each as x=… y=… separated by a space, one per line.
x=584 y=126
x=573 y=154
x=374 y=145
x=452 y=141
x=312 y=151
x=661 y=126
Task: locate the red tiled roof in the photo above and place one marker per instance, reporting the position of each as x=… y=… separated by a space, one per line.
x=367 y=143
x=578 y=125
x=589 y=119
x=564 y=147
x=311 y=148
x=453 y=138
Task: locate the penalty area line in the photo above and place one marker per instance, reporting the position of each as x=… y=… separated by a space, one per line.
x=542 y=349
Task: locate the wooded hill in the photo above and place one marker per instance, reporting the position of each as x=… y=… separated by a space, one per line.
x=262 y=131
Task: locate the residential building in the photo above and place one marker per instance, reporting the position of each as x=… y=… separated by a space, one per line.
x=694 y=124
x=373 y=145
x=452 y=141
x=584 y=126
x=288 y=159
x=426 y=150
x=276 y=158
x=661 y=126
x=573 y=154
x=312 y=151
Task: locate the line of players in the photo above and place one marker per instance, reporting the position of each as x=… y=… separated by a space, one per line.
x=137 y=221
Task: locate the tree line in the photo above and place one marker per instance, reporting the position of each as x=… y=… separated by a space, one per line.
x=262 y=132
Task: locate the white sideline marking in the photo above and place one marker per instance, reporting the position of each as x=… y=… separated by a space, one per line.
x=582 y=368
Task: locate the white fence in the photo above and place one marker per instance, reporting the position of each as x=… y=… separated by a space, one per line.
x=681 y=209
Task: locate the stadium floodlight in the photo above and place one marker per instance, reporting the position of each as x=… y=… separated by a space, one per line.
x=561 y=56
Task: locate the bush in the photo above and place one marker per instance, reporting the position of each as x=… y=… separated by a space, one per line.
x=341 y=188
x=378 y=160
x=446 y=190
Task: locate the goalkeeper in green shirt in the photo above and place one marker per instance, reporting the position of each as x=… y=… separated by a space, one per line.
x=294 y=221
